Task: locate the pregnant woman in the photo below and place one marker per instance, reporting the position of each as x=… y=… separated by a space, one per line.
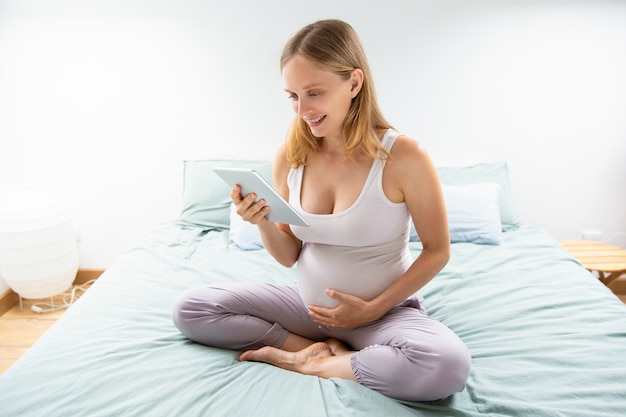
x=354 y=313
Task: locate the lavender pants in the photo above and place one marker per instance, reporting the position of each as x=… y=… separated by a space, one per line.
x=405 y=355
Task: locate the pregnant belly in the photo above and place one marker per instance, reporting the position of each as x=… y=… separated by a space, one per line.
x=354 y=271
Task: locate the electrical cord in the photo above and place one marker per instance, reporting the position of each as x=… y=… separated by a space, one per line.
x=69 y=298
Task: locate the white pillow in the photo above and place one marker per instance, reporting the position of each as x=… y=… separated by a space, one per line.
x=243 y=235
x=473 y=213
x=496 y=172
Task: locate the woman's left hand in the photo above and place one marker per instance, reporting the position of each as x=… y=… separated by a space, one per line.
x=351 y=312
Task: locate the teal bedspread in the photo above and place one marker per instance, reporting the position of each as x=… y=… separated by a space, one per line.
x=546 y=339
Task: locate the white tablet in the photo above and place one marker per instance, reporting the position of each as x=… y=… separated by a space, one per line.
x=251 y=181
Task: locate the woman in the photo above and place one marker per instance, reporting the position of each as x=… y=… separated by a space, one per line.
x=353 y=313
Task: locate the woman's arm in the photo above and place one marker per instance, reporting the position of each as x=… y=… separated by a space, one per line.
x=277 y=238
x=418 y=183
x=409 y=176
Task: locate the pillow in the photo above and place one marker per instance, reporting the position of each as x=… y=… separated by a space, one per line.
x=243 y=235
x=206 y=197
x=481 y=173
x=473 y=214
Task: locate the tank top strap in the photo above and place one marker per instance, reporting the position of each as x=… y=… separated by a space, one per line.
x=389 y=138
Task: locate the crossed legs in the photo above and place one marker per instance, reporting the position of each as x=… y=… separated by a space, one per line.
x=406 y=355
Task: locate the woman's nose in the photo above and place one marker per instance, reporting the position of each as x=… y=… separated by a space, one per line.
x=302 y=108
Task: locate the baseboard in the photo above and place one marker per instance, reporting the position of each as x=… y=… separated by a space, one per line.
x=10 y=299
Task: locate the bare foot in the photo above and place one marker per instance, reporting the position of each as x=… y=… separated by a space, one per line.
x=303 y=361
x=338 y=347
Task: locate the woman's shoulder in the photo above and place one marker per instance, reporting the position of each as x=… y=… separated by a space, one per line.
x=407 y=150
x=281 y=166
x=408 y=171
x=281 y=153
x=410 y=161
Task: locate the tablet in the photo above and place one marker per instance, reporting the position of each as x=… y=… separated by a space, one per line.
x=251 y=181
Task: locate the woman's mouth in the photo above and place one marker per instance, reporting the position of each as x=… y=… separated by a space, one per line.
x=315 y=122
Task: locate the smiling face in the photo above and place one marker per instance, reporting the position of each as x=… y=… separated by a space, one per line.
x=321 y=98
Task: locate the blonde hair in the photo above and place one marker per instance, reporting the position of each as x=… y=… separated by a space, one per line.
x=334 y=46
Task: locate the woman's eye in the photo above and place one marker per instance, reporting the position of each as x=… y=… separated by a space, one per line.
x=292 y=97
x=314 y=94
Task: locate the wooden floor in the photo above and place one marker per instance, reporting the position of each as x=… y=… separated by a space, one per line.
x=20 y=328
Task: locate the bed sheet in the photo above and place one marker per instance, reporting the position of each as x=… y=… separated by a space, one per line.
x=546 y=339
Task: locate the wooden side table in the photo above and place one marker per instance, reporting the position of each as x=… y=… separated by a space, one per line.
x=608 y=260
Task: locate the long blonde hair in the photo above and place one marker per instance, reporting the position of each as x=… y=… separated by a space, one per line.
x=334 y=46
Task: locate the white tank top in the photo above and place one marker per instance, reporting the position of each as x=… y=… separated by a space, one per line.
x=359 y=251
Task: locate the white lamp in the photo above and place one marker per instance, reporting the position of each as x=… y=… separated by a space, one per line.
x=38 y=248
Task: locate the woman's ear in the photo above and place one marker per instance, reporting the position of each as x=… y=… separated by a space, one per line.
x=356 y=79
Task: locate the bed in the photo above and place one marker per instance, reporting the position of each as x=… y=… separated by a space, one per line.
x=546 y=338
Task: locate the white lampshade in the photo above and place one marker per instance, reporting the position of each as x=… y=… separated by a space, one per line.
x=38 y=248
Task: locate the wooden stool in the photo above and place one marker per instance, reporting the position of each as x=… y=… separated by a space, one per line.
x=608 y=260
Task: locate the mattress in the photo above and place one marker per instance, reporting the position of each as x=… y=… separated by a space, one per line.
x=546 y=339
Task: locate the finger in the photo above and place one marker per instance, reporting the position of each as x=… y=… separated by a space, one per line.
x=250 y=199
x=332 y=293
x=323 y=315
x=259 y=208
x=317 y=315
x=338 y=295
x=320 y=311
x=328 y=322
x=235 y=194
x=245 y=204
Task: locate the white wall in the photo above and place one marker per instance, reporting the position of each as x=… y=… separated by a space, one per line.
x=104 y=99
